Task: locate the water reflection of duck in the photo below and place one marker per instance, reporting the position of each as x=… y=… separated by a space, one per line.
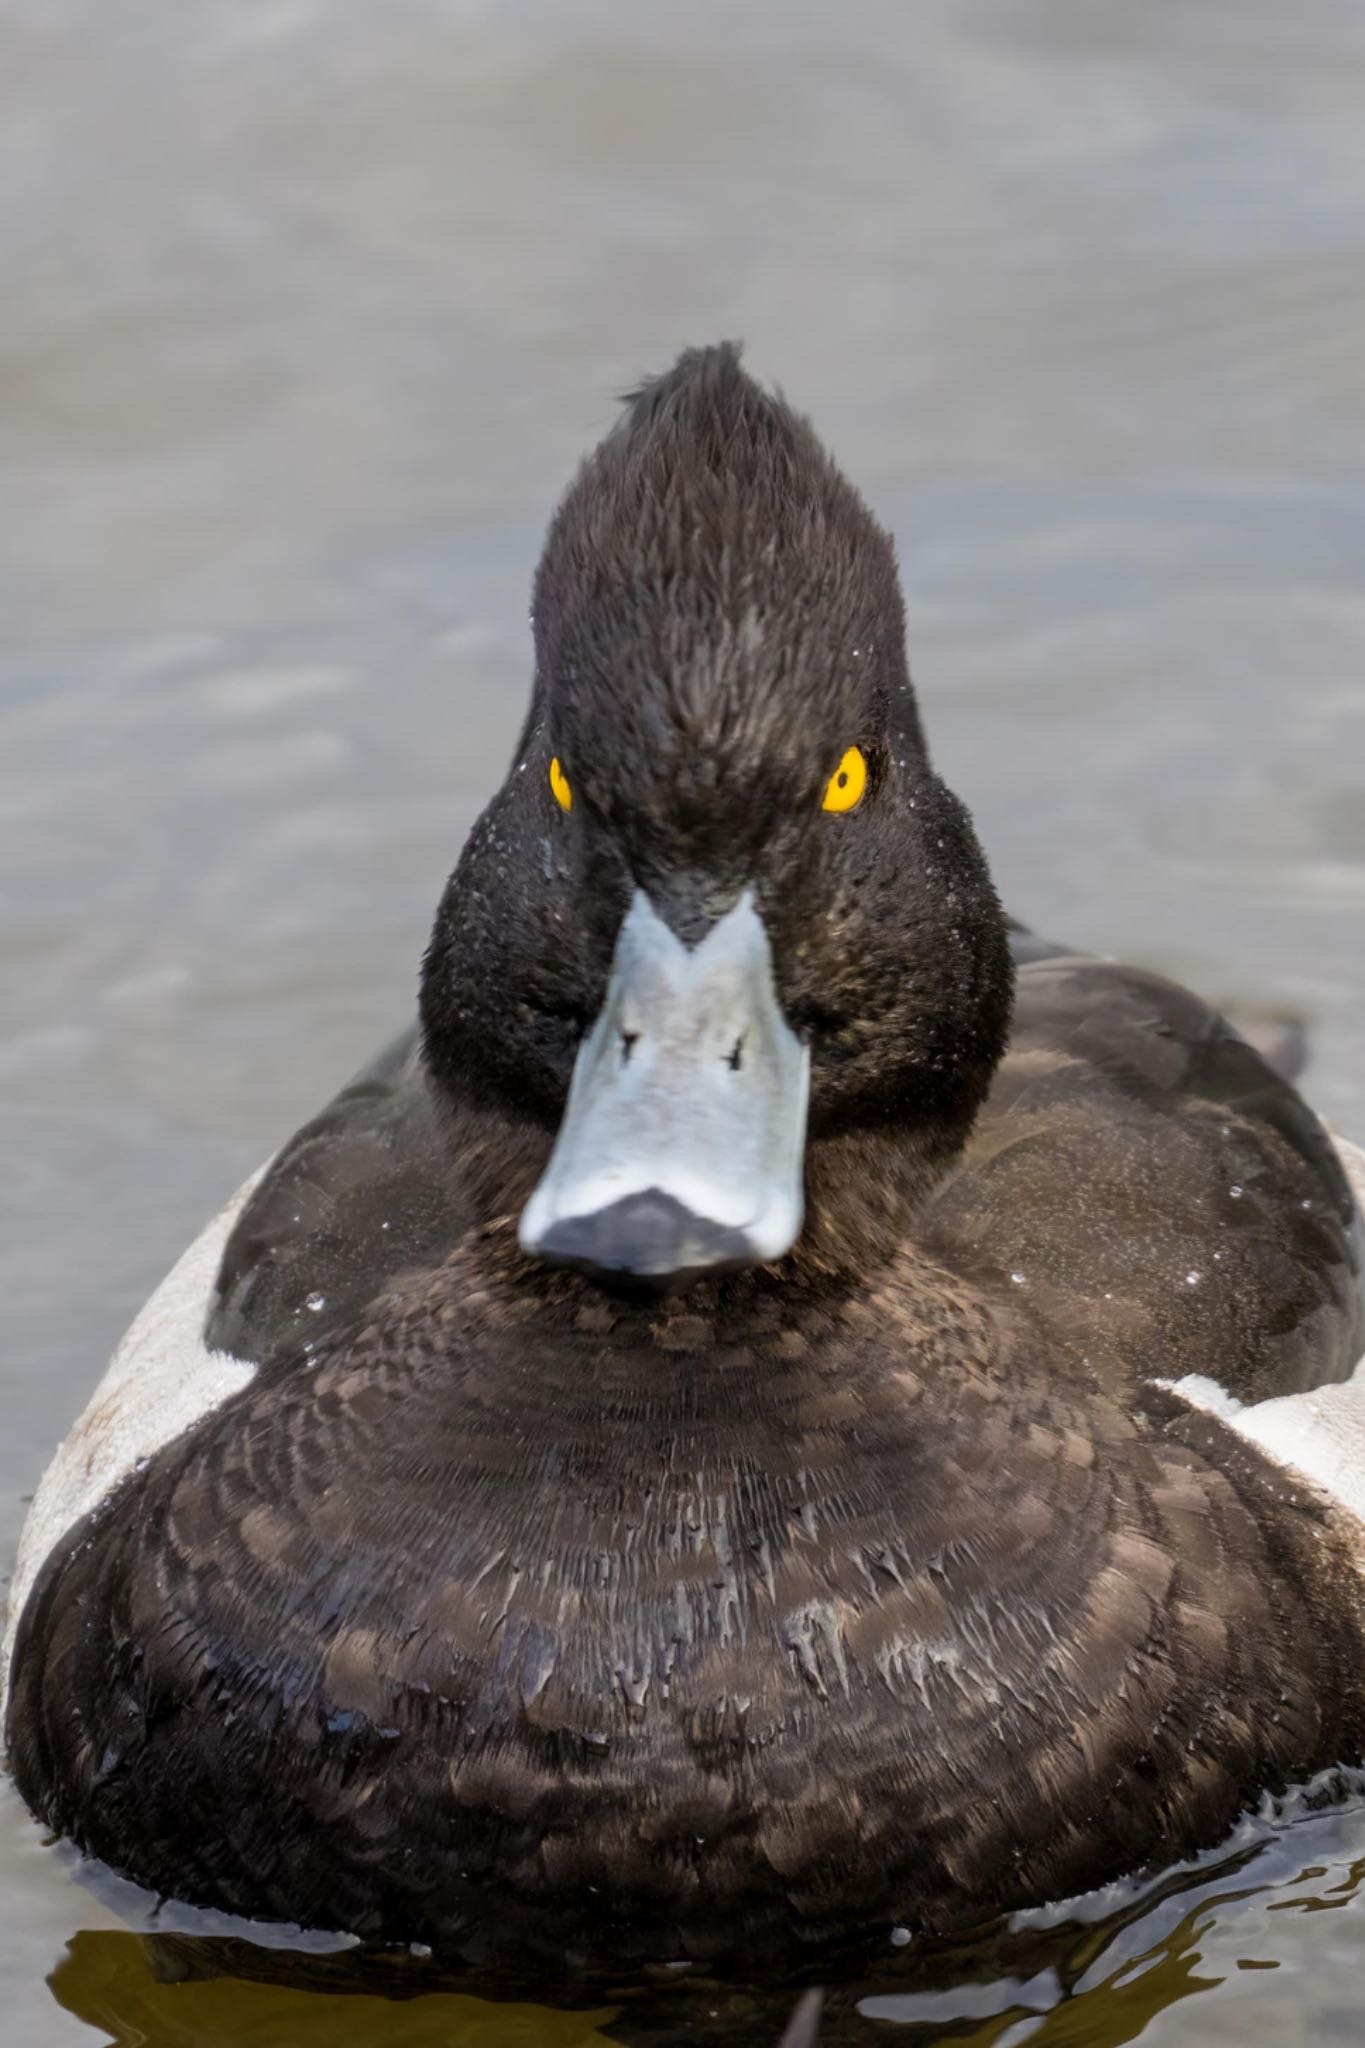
x=164 y=1993
x=730 y=1434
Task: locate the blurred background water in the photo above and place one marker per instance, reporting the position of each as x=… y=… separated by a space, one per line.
x=307 y=309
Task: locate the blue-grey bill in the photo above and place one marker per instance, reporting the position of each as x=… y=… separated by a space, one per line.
x=683 y=1138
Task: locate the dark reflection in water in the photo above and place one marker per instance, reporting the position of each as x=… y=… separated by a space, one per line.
x=141 y=1989
x=1096 y=1979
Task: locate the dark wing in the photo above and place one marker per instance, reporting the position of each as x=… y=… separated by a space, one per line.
x=1159 y=1189
x=367 y=1190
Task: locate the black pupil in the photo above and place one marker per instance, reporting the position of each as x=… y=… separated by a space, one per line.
x=843 y=778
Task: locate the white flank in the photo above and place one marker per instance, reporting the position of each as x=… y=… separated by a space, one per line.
x=1319 y=1434
x=160 y=1380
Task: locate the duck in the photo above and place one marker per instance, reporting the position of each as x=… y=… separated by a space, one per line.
x=785 y=1409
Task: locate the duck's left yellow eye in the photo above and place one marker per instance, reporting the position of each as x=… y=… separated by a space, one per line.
x=846 y=785
x=559 y=783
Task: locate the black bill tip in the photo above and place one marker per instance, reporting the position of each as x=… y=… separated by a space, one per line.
x=648 y=1240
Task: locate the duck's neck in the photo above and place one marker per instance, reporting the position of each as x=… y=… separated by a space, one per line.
x=866 y=1190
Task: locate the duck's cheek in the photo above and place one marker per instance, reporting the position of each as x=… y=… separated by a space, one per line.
x=682 y=1142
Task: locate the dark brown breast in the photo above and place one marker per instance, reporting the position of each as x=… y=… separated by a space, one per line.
x=545 y=1620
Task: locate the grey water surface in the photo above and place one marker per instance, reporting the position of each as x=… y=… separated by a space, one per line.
x=308 y=307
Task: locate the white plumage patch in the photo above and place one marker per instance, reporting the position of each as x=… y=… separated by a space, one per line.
x=160 y=1380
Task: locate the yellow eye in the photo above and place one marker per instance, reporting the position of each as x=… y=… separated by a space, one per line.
x=559 y=783
x=846 y=785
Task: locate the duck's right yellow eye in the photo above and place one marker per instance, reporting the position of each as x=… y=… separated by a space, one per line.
x=559 y=783
x=846 y=785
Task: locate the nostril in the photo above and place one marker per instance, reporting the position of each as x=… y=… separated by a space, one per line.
x=629 y=1040
x=734 y=1059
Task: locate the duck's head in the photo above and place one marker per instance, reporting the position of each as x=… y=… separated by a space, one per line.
x=722 y=935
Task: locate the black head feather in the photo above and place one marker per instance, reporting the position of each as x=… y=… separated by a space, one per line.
x=717 y=618
x=710 y=583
